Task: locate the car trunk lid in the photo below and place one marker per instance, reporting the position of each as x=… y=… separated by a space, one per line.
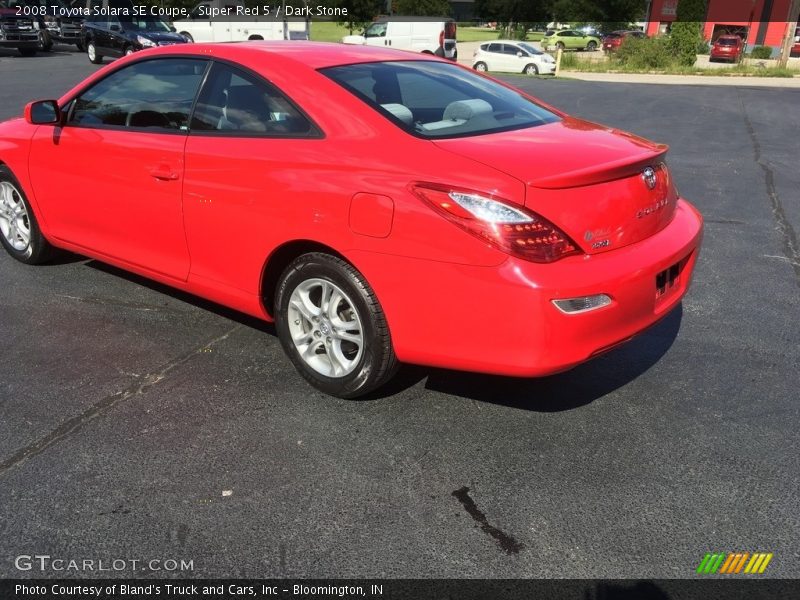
x=603 y=187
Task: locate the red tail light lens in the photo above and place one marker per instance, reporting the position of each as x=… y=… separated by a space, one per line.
x=512 y=229
x=441 y=39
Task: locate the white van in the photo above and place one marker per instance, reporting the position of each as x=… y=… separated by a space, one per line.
x=200 y=27
x=434 y=35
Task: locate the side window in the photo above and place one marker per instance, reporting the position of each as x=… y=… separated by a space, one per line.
x=153 y=94
x=509 y=49
x=235 y=102
x=498 y=48
x=376 y=30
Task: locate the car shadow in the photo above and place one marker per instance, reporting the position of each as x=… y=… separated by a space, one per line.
x=217 y=309
x=555 y=393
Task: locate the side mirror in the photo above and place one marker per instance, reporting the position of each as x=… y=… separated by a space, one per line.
x=520 y=54
x=43 y=112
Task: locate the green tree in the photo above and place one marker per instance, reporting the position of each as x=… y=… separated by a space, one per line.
x=422 y=8
x=359 y=12
x=686 y=34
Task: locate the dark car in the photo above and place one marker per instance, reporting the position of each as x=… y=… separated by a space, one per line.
x=613 y=41
x=17 y=31
x=727 y=47
x=115 y=36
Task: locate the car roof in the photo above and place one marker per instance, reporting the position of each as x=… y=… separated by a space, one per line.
x=503 y=42
x=294 y=53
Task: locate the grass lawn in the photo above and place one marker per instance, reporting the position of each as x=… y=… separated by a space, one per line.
x=476 y=34
x=329 y=31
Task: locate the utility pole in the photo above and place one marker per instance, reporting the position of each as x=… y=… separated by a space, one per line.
x=788 y=38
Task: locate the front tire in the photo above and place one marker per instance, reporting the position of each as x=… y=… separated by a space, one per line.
x=91 y=51
x=188 y=37
x=19 y=231
x=332 y=327
x=531 y=70
x=561 y=46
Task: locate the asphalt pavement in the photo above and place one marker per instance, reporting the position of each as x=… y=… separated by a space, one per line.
x=139 y=423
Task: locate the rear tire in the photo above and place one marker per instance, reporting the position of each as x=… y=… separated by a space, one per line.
x=332 y=327
x=591 y=46
x=129 y=50
x=480 y=66
x=91 y=52
x=19 y=231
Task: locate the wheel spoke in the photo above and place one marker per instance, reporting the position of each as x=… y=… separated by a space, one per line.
x=336 y=355
x=345 y=336
x=310 y=350
x=304 y=307
x=333 y=304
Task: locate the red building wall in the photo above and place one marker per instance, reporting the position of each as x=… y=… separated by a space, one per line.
x=764 y=20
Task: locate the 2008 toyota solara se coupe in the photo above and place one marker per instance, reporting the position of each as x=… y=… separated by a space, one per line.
x=380 y=207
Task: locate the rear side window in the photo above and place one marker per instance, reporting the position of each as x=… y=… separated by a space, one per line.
x=234 y=102
x=495 y=48
x=153 y=94
x=439 y=100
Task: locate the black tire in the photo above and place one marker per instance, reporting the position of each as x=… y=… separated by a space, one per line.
x=480 y=66
x=188 y=36
x=591 y=46
x=377 y=362
x=27 y=51
x=45 y=41
x=561 y=46
x=128 y=51
x=531 y=69
x=38 y=249
x=91 y=52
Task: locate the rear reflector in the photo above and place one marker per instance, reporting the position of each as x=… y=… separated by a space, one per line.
x=573 y=306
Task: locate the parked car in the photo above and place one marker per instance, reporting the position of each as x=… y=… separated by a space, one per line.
x=17 y=31
x=432 y=35
x=569 y=39
x=35 y=10
x=613 y=41
x=54 y=28
x=200 y=27
x=727 y=47
x=477 y=198
x=114 y=36
x=512 y=57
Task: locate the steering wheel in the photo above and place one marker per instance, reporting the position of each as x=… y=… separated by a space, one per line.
x=145 y=115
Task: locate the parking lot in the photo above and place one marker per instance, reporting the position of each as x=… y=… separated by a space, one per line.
x=140 y=423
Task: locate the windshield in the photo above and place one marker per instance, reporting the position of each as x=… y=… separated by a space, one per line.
x=530 y=49
x=439 y=100
x=145 y=24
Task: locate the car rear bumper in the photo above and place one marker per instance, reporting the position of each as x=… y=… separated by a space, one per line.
x=502 y=320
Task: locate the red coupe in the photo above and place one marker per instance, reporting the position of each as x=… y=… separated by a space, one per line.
x=379 y=207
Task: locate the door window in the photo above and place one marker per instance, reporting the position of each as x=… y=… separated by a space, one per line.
x=497 y=48
x=153 y=94
x=234 y=102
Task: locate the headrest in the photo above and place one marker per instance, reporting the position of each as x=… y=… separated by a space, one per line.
x=466 y=109
x=401 y=112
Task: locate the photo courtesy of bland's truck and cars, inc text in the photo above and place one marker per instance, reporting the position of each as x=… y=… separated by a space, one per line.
x=407 y=299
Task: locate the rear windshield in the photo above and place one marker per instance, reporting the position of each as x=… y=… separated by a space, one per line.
x=614 y=35
x=726 y=42
x=439 y=100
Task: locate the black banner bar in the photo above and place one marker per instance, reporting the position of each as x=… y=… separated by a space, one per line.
x=394 y=589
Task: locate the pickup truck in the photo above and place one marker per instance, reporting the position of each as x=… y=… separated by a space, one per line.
x=17 y=31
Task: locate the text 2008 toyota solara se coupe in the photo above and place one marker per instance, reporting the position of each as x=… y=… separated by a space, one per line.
x=379 y=206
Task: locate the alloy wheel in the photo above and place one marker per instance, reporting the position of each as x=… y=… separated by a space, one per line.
x=325 y=327
x=14 y=221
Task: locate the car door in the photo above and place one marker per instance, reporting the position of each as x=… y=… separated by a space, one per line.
x=249 y=152
x=494 y=56
x=514 y=64
x=111 y=178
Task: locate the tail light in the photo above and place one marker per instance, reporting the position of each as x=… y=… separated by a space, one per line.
x=441 y=38
x=512 y=229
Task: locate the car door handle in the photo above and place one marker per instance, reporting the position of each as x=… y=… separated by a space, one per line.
x=164 y=174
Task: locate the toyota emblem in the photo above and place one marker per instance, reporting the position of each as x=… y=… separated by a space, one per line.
x=649 y=177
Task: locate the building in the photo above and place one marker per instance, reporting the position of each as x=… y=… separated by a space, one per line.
x=758 y=22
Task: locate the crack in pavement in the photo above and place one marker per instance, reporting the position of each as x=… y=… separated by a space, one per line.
x=791 y=248
x=139 y=386
x=505 y=541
